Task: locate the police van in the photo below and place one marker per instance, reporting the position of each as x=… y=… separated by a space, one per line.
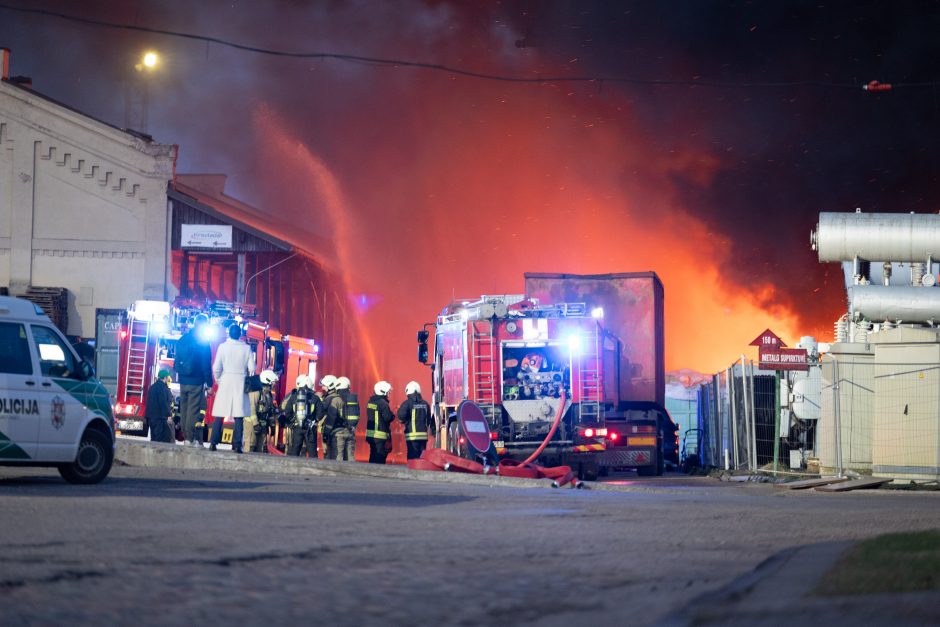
x=53 y=411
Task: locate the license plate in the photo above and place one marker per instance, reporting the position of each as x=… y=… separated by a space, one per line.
x=131 y=425
x=642 y=441
x=499 y=444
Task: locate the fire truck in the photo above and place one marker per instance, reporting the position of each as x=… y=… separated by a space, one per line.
x=148 y=343
x=587 y=346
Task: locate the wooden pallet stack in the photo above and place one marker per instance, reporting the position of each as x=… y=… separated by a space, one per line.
x=54 y=301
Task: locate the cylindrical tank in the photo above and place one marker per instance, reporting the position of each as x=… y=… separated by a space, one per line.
x=895 y=302
x=877 y=236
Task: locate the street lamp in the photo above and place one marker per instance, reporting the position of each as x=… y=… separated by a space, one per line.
x=149 y=61
x=136 y=96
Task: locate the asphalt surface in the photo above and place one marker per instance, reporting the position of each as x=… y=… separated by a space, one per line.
x=166 y=546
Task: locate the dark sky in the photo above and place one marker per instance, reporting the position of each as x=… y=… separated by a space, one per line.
x=434 y=185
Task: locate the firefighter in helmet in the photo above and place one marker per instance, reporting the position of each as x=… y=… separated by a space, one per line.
x=328 y=391
x=379 y=419
x=263 y=410
x=299 y=408
x=352 y=415
x=342 y=438
x=415 y=413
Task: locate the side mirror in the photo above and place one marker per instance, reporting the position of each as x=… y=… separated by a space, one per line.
x=423 y=346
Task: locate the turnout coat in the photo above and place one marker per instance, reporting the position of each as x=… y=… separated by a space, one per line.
x=233 y=361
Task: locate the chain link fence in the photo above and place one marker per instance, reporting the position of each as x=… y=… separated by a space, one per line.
x=873 y=418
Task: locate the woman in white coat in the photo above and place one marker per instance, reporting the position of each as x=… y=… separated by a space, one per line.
x=233 y=361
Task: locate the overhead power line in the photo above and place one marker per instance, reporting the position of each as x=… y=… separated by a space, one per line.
x=460 y=71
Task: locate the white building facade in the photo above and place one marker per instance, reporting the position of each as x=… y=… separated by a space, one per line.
x=83 y=206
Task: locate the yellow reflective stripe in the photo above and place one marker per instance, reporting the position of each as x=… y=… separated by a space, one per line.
x=376 y=433
x=414 y=434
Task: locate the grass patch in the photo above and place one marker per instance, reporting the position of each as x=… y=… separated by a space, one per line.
x=900 y=562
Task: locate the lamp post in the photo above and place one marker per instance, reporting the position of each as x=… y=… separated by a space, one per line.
x=136 y=97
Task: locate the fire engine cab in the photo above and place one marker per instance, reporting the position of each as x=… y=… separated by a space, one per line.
x=148 y=343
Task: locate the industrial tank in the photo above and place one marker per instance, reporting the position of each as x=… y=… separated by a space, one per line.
x=910 y=237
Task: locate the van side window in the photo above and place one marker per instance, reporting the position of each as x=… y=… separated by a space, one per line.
x=15 y=349
x=55 y=358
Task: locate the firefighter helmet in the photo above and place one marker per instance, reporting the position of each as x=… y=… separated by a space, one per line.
x=412 y=388
x=303 y=381
x=268 y=377
x=382 y=388
x=342 y=383
x=328 y=382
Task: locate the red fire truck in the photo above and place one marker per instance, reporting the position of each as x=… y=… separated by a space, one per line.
x=595 y=341
x=148 y=343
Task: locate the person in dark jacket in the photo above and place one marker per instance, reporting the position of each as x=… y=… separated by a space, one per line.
x=415 y=413
x=159 y=411
x=336 y=425
x=193 y=365
x=379 y=419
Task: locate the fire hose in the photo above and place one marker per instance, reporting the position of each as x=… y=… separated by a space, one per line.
x=440 y=460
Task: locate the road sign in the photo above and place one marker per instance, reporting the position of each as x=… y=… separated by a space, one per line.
x=783 y=359
x=767 y=338
x=206 y=236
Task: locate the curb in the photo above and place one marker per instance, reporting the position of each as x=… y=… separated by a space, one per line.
x=143 y=454
x=780 y=590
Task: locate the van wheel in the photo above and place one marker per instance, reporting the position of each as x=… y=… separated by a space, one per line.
x=93 y=461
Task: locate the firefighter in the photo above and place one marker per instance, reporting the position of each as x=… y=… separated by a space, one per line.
x=193 y=365
x=415 y=413
x=336 y=424
x=262 y=412
x=379 y=419
x=352 y=415
x=298 y=408
x=159 y=411
x=328 y=387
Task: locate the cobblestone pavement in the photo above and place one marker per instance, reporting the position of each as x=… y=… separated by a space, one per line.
x=151 y=546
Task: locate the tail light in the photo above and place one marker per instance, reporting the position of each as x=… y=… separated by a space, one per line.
x=123 y=334
x=461 y=440
x=494 y=436
x=591 y=432
x=613 y=436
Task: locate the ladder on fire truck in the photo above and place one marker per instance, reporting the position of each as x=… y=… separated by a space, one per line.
x=590 y=381
x=483 y=354
x=136 y=370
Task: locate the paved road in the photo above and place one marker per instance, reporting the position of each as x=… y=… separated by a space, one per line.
x=151 y=546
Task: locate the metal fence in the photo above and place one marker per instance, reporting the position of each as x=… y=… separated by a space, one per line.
x=874 y=418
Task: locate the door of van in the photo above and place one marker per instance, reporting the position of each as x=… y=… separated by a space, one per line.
x=63 y=395
x=19 y=395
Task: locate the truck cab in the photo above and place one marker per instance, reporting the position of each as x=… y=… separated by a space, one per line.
x=53 y=410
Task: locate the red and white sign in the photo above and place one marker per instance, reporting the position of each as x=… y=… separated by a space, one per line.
x=767 y=339
x=783 y=359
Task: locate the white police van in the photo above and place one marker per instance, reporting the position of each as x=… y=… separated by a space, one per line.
x=53 y=411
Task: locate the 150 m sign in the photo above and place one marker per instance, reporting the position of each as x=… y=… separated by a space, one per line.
x=217 y=236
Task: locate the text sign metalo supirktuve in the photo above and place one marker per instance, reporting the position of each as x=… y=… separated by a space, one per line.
x=783 y=359
x=206 y=236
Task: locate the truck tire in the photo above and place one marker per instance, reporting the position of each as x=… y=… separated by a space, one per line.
x=93 y=460
x=587 y=472
x=453 y=438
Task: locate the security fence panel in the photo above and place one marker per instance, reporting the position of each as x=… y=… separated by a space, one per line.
x=766 y=417
x=905 y=431
x=844 y=433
